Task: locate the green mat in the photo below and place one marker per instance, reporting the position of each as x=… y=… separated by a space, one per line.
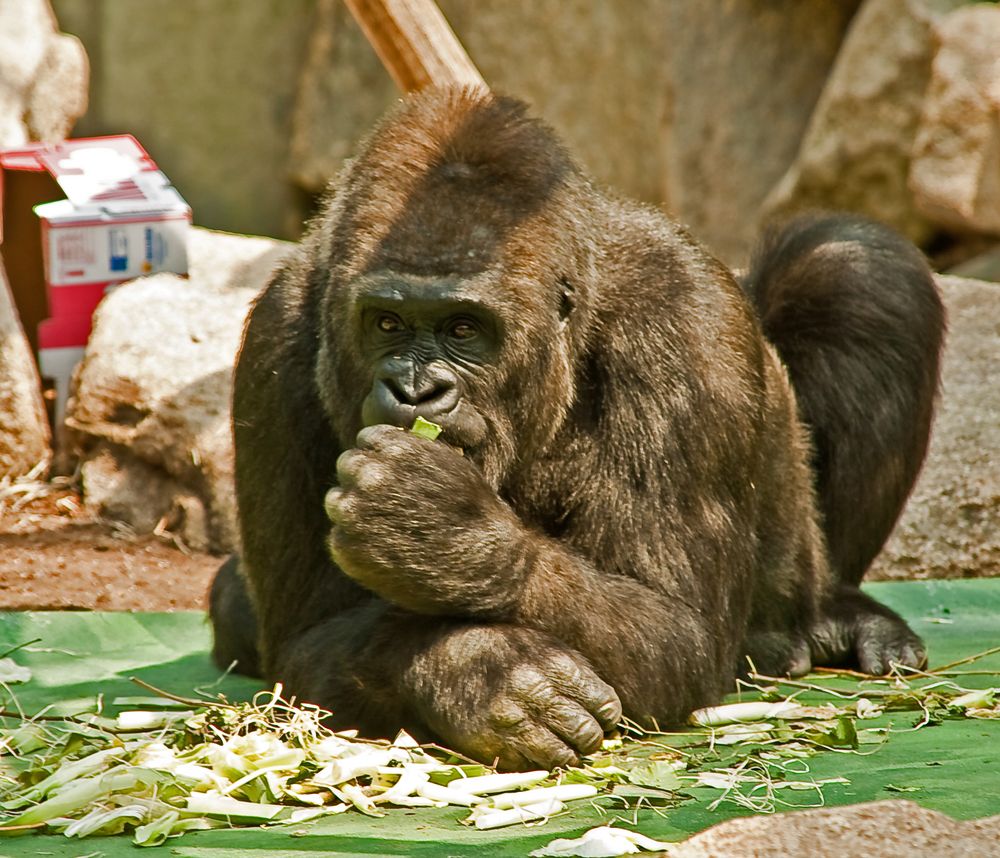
x=953 y=767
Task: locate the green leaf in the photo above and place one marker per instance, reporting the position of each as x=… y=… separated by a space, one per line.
x=156 y=832
x=649 y=795
x=86 y=653
x=659 y=774
x=426 y=429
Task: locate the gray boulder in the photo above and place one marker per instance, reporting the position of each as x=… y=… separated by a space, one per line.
x=43 y=89
x=24 y=427
x=150 y=416
x=743 y=81
x=951 y=525
x=855 y=154
x=43 y=74
x=955 y=176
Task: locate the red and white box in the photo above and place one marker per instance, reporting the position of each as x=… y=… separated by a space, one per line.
x=119 y=218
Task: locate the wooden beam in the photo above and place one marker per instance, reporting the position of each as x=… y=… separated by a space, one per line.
x=415 y=43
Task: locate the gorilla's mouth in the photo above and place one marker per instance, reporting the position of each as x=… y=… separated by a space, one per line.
x=462 y=426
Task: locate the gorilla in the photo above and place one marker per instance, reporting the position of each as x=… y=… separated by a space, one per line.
x=648 y=472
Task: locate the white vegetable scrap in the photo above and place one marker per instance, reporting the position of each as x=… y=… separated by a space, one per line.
x=486 y=817
x=11 y=672
x=603 y=842
x=563 y=792
x=486 y=784
x=511 y=808
x=733 y=713
x=159 y=774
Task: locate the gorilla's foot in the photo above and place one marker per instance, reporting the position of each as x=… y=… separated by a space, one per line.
x=857 y=631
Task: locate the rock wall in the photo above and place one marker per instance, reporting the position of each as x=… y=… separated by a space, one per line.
x=208 y=88
x=43 y=89
x=24 y=427
x=696 y=106
x=955 y=177
x=951 y=525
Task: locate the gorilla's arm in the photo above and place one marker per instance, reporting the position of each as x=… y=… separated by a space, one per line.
x=418 y=524
x=497 y=692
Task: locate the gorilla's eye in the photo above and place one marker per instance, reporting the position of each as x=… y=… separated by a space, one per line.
x=387 y=323
x=462 y=329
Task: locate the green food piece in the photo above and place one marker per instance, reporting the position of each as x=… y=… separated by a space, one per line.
x=425 y=429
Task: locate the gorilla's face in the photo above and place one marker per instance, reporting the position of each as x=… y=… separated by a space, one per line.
x=430 y=344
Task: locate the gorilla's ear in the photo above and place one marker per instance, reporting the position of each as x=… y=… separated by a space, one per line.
x=567 y=301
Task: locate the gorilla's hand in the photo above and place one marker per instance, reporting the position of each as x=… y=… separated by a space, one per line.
x=510 y=694
x=418 y=524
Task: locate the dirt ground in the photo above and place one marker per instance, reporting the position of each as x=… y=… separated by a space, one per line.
x=53 y=555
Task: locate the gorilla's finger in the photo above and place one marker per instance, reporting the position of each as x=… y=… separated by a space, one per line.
x=592 y=693
x=884 y=641
x=379 y=436
x=541 y=747
x=575 y=726
x=914 y=655
x=509 y=759
x=342 y=509
x=339 y=543
x=800 y=662
x=333 y=504
x=872 y=661
x=349 y=463
x=609 y=712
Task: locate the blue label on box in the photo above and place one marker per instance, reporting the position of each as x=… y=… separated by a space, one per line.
x=117 y=250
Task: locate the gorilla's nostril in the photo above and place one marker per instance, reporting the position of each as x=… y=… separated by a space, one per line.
x=398 y=393
x=431 y=393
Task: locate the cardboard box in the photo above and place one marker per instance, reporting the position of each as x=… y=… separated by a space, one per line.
x=77 y=218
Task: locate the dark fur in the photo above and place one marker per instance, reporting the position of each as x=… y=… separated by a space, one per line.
x=640 y=513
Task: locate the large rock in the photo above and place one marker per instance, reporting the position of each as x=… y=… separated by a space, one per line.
x=881 y=829
x=955 y=175
x=150 y=416
x=43 y=74
x=43 y=89
x=699 y=106
x=951 y=525
x=744 y=78
x=856 y=152
x=24 y=427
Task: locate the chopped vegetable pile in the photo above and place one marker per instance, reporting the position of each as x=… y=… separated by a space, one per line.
x=167 y=765
x=161 y=773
